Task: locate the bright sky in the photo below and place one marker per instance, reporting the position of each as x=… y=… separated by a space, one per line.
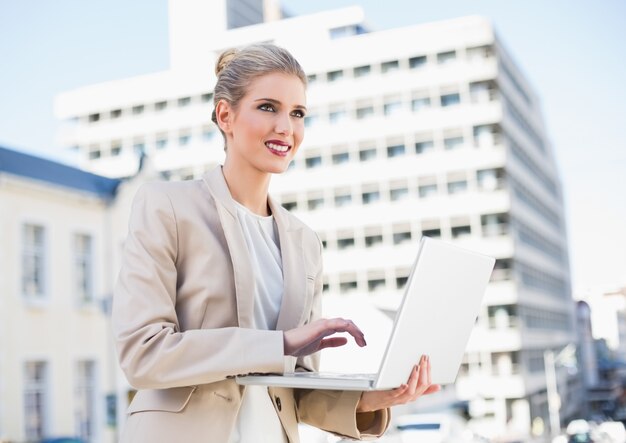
x=572 y=51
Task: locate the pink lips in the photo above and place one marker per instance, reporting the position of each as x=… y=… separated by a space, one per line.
x=278 y=143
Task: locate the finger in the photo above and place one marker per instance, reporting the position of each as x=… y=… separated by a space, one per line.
x=422 y=380
x=333 y=342
x=344 y=325
x=432 y=389
x=413 y=379
x=428 y=370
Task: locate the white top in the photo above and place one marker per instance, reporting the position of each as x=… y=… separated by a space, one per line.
x=257 y=421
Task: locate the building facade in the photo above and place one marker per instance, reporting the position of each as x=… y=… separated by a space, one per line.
x=424 y=130
x=56 y=361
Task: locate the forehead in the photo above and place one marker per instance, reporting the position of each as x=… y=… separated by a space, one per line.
x=286 y=88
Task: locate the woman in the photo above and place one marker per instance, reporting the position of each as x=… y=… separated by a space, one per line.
x=218 y=279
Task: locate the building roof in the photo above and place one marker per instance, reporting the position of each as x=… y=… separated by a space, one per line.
x=41 y=169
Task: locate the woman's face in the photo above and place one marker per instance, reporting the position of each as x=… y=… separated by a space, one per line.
x=267 y=127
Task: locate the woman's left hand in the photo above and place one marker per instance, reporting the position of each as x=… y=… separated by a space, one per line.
x=418 y=384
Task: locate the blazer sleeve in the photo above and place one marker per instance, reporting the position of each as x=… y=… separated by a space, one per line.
x=331 y=410
x=153 y=352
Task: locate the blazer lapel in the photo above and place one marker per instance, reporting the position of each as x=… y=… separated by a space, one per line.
x=242 y=267
x=294 y=269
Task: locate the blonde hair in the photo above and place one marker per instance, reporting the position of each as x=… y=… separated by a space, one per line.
x=237 y=68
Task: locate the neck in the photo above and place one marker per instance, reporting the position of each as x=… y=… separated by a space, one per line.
x=248 y=186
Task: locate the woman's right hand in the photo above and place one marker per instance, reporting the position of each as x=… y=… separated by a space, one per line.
x=311 y=338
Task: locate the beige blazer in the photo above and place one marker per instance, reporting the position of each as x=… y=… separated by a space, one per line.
x=183 y=317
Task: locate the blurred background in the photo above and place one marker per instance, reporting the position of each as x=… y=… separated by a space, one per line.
x=492 y=125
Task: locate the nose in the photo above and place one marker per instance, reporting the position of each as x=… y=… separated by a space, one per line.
x=283 y=124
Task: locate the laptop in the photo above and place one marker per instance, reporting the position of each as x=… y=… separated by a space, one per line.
x=441 y=302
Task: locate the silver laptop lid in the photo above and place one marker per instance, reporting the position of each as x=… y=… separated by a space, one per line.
x=441 y=302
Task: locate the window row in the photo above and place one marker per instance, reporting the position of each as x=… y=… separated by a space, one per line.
x=36 y=257
x=37 y=395
x=398 y=190
x=542 y=281
x=157 y=107
x=418 y=61
x=396 y=104
x=484 y=136
x=540 y=208
x=159 y=141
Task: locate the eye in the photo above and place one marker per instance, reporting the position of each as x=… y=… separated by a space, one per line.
x=298 y=113
x=266 y=107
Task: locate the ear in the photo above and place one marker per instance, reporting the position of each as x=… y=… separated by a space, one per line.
x=224 y=116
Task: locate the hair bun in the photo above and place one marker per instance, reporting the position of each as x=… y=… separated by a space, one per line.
x=224 y=59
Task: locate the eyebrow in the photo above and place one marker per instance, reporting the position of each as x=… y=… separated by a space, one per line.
x=271 y=100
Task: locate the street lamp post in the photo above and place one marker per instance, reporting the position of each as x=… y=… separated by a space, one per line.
x=554 y=400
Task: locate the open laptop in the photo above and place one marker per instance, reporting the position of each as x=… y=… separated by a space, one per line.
x=441 y=301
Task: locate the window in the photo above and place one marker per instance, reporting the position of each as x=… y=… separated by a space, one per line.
x=490 y=179
x=375 y=284
x=184 y=101
x=313 y=162
x=337 y=116
x=85 y=400
x=446 y=57
x=35 y=400
x=495 y=224
x=432 y=233
x=453 y=142
x=393 y=107
x=341 y=158
x=417 y=62
x=395 y=151
x=116 y=113
x=450 y=99
x=361 y=71
x=373 y=240
x=208 y=133
x=343 y=199
x=401 y=237
x=419 y=104
x=311 y=78
x=315 y=203
x=94 y=118
x=139 y=148
x=347 y=286
x=161 y=141
x=367 y=154
x=83 y=268
x=311 y=120
x=184 y=138
x=94 y=153
x=364 y=112
x=461 y=231
x=401 y=282
x=424 y=146
x=333 y=76
x=160 y=106
x=399 y=193
x=389 y=66
x=456 y=187
x=427 y=190
x=370 y=197
x=33 y=261
x=207 y=97
x=290 y=205
x=138 y=109
x=345 y=243
x=116 y=148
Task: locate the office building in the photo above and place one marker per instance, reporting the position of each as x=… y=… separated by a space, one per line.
x=429 y=129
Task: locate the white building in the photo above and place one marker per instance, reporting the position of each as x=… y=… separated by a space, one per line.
x=424 y=130
x=56 y=370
